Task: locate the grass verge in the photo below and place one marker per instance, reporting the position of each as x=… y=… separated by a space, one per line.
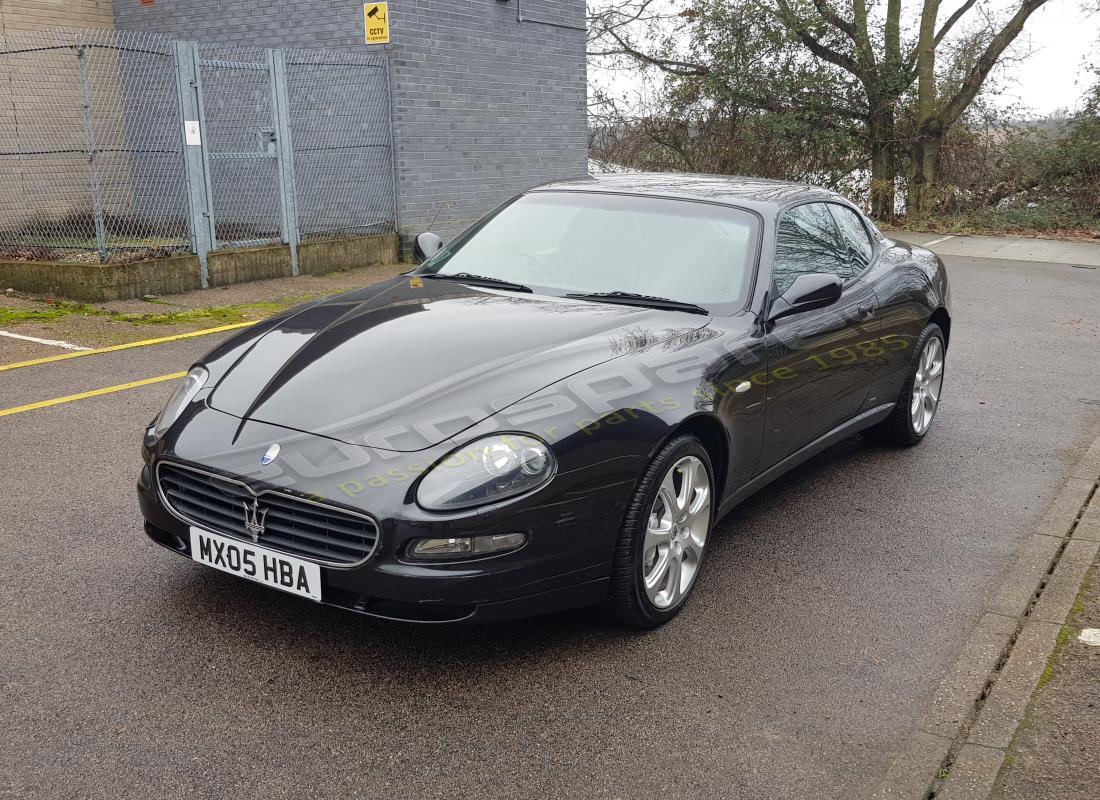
x=54 y=311
x=1035 y=223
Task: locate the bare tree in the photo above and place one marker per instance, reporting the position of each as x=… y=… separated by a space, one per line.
x=845 y=65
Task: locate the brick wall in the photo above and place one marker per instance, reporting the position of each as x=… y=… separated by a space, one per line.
x=484 y=105
x=36 y=15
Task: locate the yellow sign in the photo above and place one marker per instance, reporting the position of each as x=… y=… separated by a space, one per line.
x=377 y=19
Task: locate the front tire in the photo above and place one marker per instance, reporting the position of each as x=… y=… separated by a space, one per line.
x=664 y=537
x=915 y=411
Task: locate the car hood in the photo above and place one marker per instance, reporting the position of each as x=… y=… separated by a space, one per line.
x=409 y=363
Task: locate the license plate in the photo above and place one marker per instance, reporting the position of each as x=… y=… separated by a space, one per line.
x=256 y=563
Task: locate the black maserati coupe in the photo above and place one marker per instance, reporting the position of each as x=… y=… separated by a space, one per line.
x=554 y=409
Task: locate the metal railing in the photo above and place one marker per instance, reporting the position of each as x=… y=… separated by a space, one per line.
x=116 y=145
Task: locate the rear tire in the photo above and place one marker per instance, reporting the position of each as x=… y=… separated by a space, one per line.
x=912 y=417
x=664 y=537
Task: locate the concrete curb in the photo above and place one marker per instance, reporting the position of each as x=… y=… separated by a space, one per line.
x=959 y=743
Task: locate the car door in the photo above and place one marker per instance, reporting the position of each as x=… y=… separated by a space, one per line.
x=820 y=362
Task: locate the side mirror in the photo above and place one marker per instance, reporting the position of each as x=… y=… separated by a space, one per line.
x=810 y=291
x=427 y=245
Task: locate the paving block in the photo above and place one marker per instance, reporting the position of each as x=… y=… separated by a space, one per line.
x=911 y=772
x=1060 y=515
x=1089 y=466
x=1023 y=577
x=1062 y=588
x=1078 y=556
x=961 y=686
x=1088 y=527
x=1004 y=708
x=973 y=773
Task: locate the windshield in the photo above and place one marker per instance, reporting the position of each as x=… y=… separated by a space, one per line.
x=577 y=242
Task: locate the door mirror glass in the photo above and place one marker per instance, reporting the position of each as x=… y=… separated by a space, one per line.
x=808 y=241
x=809 y=291
x=427 y=245
x=857 y=240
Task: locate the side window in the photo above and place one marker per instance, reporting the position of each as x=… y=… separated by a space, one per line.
x=855 y=236
x=808 y=241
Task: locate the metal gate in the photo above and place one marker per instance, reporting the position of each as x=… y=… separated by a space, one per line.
x=124 y=141
x=235 y=129
x=240 y=126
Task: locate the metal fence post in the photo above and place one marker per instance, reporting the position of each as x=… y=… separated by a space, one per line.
x=284 y=152
x=89 y=141
x=193 y=130
x=207 y=174
x=393 y=137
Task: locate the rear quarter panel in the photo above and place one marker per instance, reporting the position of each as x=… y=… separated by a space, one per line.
x=911 y=284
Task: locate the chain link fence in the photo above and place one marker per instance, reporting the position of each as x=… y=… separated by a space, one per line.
x=340 y=128
x=89 y=131
x=116 y=145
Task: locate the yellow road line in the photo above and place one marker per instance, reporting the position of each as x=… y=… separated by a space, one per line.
x=127 y=346
x=4 y=412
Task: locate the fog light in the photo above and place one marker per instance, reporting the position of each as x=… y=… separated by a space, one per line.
x=467 y=546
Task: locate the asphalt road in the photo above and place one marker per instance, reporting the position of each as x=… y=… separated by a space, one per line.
x=829 y=607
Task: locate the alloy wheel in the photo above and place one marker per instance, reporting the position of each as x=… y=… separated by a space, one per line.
x=676 y=533
x=927 y=384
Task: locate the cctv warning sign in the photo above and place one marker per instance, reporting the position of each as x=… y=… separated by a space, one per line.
x=377 y=19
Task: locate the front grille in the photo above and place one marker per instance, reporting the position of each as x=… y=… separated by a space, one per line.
x=292 y=525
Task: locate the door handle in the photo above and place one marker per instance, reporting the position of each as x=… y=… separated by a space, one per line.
x=866 y=311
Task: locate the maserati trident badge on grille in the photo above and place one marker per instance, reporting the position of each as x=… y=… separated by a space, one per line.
x=271 y=454
x=254 y=519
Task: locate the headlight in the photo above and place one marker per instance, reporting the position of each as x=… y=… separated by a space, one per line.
x=487 y=470
x=183 y=395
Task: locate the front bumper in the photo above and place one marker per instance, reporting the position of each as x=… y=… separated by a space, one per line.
x=572 y=525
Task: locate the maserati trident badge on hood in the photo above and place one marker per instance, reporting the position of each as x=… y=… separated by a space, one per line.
x=271 y=454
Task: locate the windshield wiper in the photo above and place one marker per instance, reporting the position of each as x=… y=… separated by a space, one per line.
x=483 y=280
x=644 y=300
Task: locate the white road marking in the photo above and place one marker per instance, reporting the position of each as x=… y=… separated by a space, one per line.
x=50 y=342
x=1090 y=636
x=937 y=241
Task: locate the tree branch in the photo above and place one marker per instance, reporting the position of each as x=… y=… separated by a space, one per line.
x=864 y=52
x=797 y=26
x=669 y=65
x=972 y=84
x=926 y=62
x=834 y=19
x=615 y=17
x=950 y=23
x=892 y=32
x=910 y=62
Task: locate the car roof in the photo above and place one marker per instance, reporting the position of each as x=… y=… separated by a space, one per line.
x=759 y=194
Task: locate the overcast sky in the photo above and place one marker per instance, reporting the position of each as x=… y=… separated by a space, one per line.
x=1063 y=40
x=1061 y=37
